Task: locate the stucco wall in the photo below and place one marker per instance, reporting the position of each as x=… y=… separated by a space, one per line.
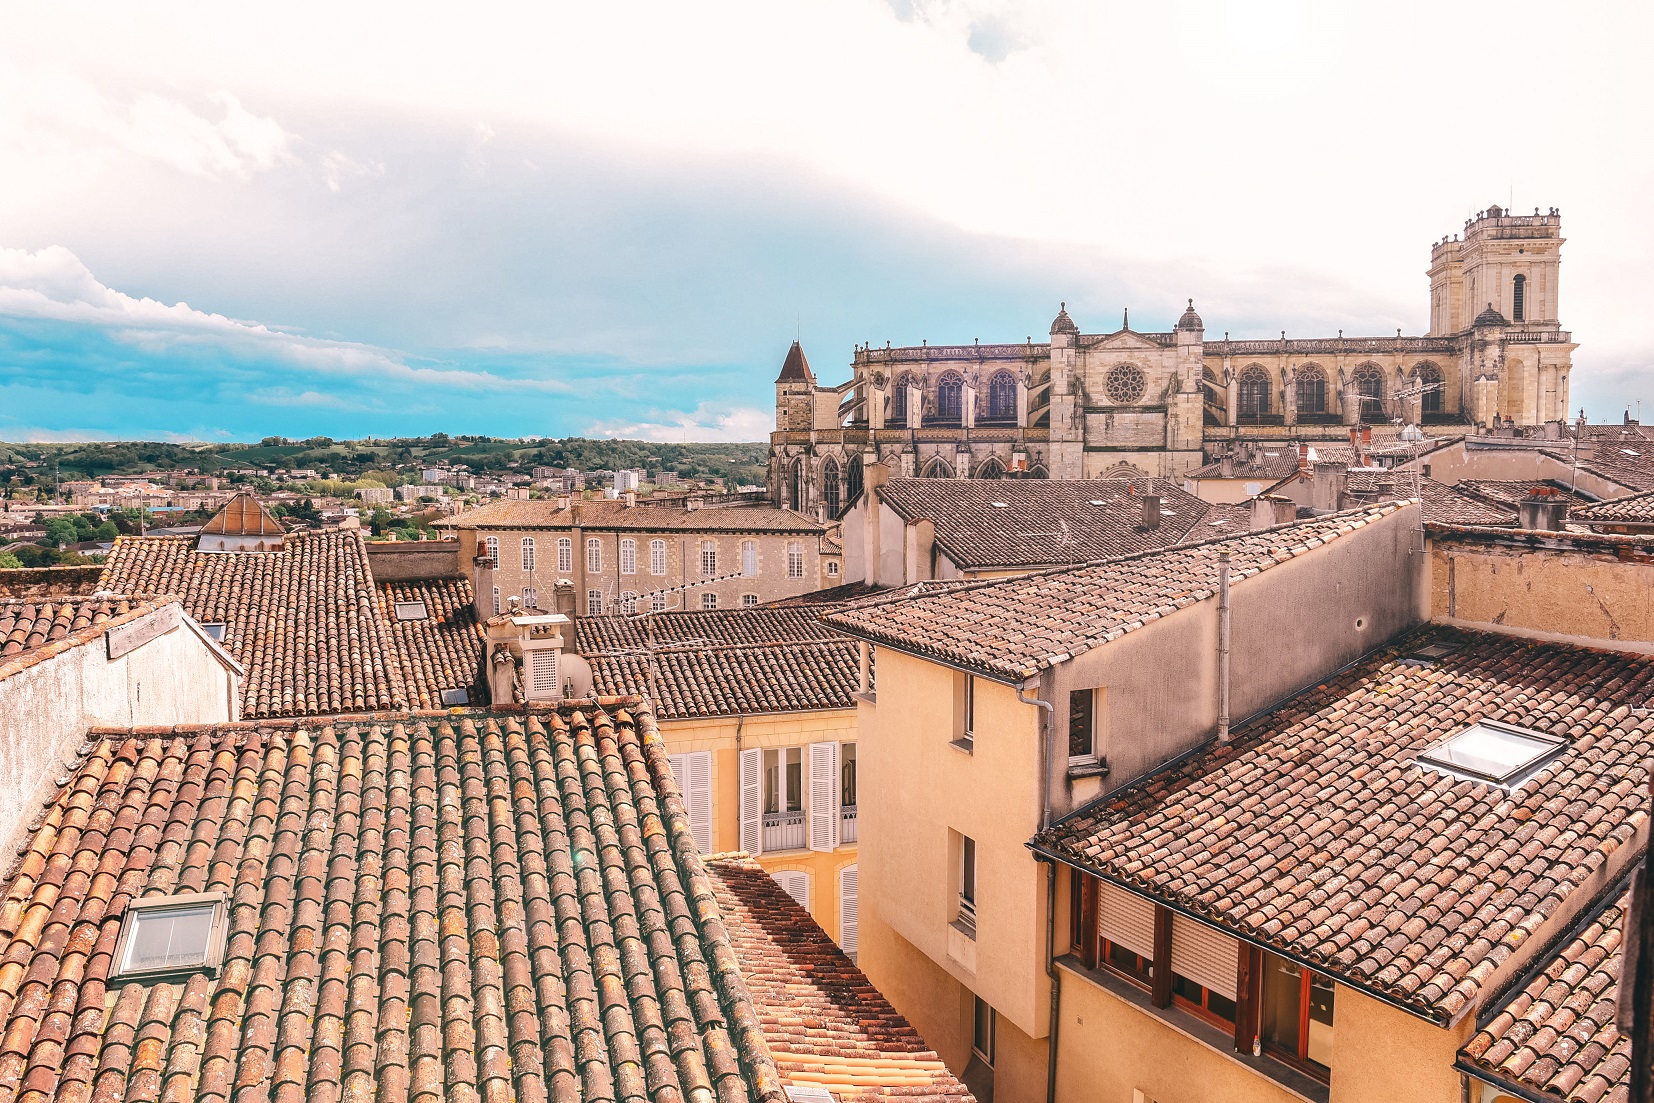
x=1552 y=593
x=1461 y=461
x=1381 y=1054
x=406 y=560
x=46 y=709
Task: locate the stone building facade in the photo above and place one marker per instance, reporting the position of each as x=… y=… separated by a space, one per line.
x=1128 y=404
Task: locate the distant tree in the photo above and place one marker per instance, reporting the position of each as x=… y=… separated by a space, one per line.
x=105 y=532
x=9 y=562
x=61 y=531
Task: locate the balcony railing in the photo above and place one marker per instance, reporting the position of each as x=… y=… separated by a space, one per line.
x=847 y=824
x=783 y=831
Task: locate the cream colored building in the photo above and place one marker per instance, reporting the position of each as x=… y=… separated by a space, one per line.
x=1130 y=403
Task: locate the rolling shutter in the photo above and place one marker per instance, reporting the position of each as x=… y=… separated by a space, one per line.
x=796 y=884
x=752 y=796
x=1126 y=919
x=849 y=911
x=693 y=773
x=824 y=782
x=1205 y=955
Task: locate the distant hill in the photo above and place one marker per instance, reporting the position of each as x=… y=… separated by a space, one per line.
x=739 y=463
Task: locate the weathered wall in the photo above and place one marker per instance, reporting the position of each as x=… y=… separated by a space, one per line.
x=1583 y=589
x=407 y=560
x=46 y=709
x=916 y=788
x=1461 y=461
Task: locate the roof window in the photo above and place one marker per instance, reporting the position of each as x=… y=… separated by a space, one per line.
x=999 y=505
x=1490 y=751
x=410 y=610
x=1429 y=653
x=172 y=934
x=453 y=698
x=214 y=630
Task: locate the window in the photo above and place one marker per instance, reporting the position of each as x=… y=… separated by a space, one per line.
x=709 y=558
x=1312 y=390
x=1295 y=1019
x=1369 y=390
x=657 y=602
x=167 y=934
x=455 y=698
x=830 y=488
x=1002 y=397
x=847 y=775
x=215 y=630
x=531 y=598
x=594 y=603
x=800 y=485
x=709 y=601
x=491 y=548
x=628 y=556
x=832 y=568
x=898 y=400
x=657 y=557
x=749 y=558
x=1518 y=298
x=778 y=775
x=1430 y=377
x=693 y=773
x=796 y=884
x=565 y=555
x=1490 y=751
x=496 y=601
x=409 y=610
x=983 y=1027
x=1205 y=962
x=628 y=602
x=852 y=484
x=1082 y=721
x=528 y=553
x=949 y=397
x=964 y=711
x=967 y=884
x=748 y=600
x=849 y=918
x=1254 y=393
x=795 y=559
x=1123 y=939
x=594 y=555
x=1124 y=384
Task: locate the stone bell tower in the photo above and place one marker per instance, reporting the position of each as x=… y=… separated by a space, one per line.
x=1505 y=260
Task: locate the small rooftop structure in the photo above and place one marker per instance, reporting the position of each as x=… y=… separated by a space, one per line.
x=241 y=524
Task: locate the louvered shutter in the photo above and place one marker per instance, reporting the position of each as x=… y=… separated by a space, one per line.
x=824 y=782
x=693 y=773
x=1204 y=955
x=1126 y=919
x=542 y=672
x=796 y=884
x=752 y=798
x=849 y=911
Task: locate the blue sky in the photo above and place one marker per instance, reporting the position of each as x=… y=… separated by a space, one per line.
x=222 y=224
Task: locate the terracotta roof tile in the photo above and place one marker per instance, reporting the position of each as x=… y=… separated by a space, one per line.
x=704 y=628
x=26 y=625
x=1316 y=831
x=441 y=651
x=1008 y=628
x=461 y=907
x=826 y=1024
x=1443 y=504
x=788 y=676
x=1633 y=509
x=1510 y=492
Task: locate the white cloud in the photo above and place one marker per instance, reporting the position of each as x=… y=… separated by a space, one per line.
x=706 y=423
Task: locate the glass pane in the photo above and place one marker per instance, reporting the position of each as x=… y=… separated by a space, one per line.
x=1127 y=961
x=169 y=938
x=1489 y=752
x=982 y=1030
x=847 y=775
x=1320 y=1020
x=967 y=881
x=772 y=781
x=795 y=779
x=1283 y=984
x=1080 y=743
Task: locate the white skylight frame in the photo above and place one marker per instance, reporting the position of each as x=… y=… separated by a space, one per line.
x=1493 y=753
x=215 y=630
x=203 y=953
x=415 y=609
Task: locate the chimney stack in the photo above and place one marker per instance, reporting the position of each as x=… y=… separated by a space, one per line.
x=1543 y=509
x=1366 y=436
x=631 y=498
x=1303 y=460
x=1326 y=493
x=1269 y=510
x=1151 y=511
x=1226 y=465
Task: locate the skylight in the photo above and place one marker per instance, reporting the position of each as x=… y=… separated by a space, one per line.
x=1493 y=752
x=1630 y=451
x=999 y=505
x=454 y=697
x=215 y=630
x=1433 y=651
x=410 y=610
x=168 y=934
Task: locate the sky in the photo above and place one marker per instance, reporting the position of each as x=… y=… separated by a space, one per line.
x=222 y=222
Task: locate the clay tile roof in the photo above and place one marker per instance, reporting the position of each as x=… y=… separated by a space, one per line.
x=1318 y=833
x=985 y=523
x=1633 y=509
x=243 y=515
x=1010 y=628
x=606 y=516
x=470 y=907
x=443 y=651
x=724 y=662
x=796 y=369
x=304 y=622
x=31 y=632
x=1509 y=492
x=1555 y=1035
x=1443 y=504
x=827 y=1026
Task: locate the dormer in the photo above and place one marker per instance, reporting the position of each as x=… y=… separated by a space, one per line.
x=242 y=525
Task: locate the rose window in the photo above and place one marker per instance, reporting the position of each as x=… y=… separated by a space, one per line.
x=1124 y=384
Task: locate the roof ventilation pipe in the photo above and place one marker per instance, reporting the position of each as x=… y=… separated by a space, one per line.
x=1223 y=647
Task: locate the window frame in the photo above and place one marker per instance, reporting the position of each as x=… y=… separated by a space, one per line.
x=749 y=559
x=709 y=602
x=1091 y=756
x=530 y=597
x=795 y=559
x=657 y=558
x=628 y=603
x=628 y=556
x=594 y=555
x=749 y=600
x=1510 y=780
x=594 y=603
x=964 y=712
x=528 y=554
x=709 y=558
x=965 y=911
x=657 y=601
x=212 y=954
x=491 y=548
x=565 y=555
x=978 y=1005
x=1299 y=1060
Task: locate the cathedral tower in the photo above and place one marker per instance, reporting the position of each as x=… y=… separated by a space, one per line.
x=1505 y=260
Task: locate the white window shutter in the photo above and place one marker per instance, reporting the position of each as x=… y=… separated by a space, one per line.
x=849 y=911
x=824 y=783
x=752 y=800
x=699 y=792
x=796 y=884
x=1206 y=956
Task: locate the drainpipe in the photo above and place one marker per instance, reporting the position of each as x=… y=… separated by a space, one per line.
x=1056 y=979
x=1223 y=647
x=1046 y=773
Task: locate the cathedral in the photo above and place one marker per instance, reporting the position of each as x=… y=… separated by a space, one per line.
x=1090 y=406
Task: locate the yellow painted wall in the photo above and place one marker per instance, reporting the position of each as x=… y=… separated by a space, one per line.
x=1557 y=593
x=933 y=1001
x=1381 y=1054
x=918 y=793
x=791 y=729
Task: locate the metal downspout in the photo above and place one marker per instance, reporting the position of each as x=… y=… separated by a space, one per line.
x=1056 y=979
x=1223 y=647
x=1047 y=773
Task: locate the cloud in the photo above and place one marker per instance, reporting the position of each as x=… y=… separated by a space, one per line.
x=708 y=422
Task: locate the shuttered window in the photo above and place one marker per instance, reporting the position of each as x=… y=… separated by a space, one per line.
x=849 y=910
x=752 y=795
x=1125 y=919
x=693 y=773
x=1204 y=955
x=824 y=793
x=796 y=884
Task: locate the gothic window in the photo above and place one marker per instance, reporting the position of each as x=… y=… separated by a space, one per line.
x=991 y=469
x=1002 y=397
x=1254 y=394
x=1369 y=388
x=1518 y=297
x=1124 y=384
x=830 y=488
x=1312 y=390
x=938 y=468
x=949 y=394
x=1038 y=471
x=1430 y=402
x=798 y=485
x=852 y=489
x=898 y=400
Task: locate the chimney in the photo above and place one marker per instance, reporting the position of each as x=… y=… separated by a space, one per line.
x=1269 y=510
x=1543 y=509
x=1326 y=494
x=631 y=498
x=1384 y=489
x=1366 y=436
x=692 y=503
x=1226 y=465
x=1303 y=460
x=563 y=502
x=1151 y=511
